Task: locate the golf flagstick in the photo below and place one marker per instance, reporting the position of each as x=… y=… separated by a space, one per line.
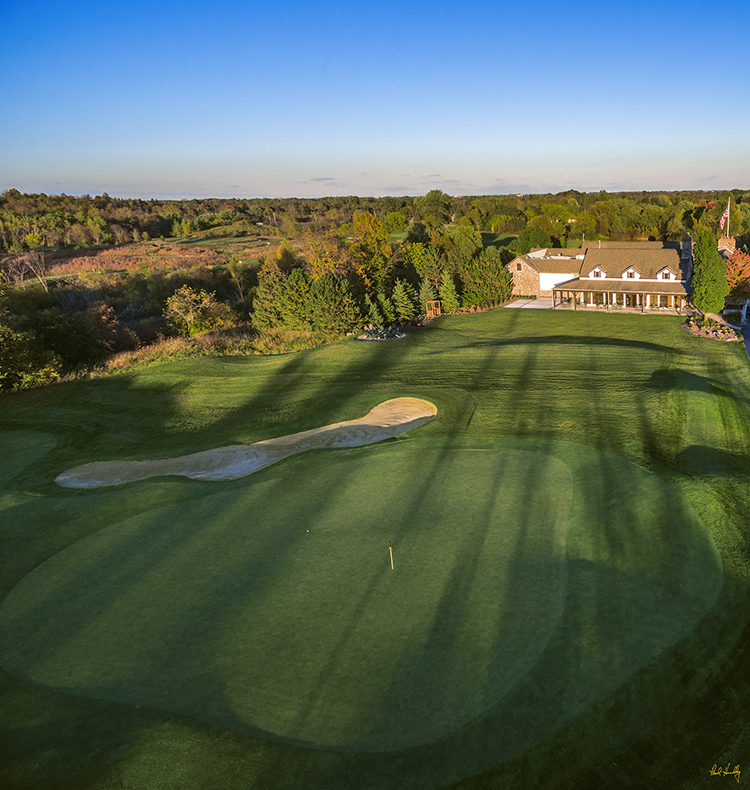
x=390 y=548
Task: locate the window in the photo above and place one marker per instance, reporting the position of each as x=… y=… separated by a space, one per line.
x=631 y=274
x=665 y=276
x=596 y=273
x=518 y=267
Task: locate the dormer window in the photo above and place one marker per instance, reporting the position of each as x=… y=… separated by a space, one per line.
x=666 y=275
x=596 y=273
x=630 y=274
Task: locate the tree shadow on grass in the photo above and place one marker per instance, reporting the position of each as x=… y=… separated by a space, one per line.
x=354 y=382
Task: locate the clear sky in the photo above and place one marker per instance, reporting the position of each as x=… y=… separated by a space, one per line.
x=299 y=98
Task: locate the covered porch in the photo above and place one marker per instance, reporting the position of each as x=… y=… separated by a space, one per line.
x=609 y=295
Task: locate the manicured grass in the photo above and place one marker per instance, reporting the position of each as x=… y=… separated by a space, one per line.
x=497 y=239
x=558 y=603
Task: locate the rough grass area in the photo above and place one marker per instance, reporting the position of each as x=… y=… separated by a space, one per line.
x=569 y=605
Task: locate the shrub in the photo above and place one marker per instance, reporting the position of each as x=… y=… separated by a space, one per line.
x=284 y=341
x=193 y=312
x=23 y=363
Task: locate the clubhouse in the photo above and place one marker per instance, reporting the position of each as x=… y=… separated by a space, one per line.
x=638 y=275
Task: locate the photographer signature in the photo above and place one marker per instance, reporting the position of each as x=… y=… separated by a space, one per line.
x=726 y=772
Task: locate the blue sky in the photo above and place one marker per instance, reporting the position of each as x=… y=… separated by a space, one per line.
x=307 y=99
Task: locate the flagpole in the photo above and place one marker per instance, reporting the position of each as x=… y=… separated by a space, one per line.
x=390 y=548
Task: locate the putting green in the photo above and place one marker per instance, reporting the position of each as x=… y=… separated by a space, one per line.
x=228 y=609
x=20 y=450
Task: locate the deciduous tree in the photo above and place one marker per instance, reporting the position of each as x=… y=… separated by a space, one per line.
x=193 y=311
x=371 y=252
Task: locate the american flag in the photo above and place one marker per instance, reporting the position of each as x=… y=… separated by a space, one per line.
x=725 y=215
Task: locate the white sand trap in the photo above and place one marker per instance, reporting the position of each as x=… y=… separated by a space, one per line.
x=390 y=418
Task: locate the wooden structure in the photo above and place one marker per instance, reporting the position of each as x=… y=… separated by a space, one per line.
x=433 y=308
x=644 y=296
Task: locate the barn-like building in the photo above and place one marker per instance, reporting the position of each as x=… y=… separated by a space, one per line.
x=639 y=275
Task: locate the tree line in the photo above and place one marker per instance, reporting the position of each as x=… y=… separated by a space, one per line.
x=341 y=264
x=326 y=287
x=40 y=221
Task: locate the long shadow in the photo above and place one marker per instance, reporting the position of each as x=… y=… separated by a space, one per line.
x=80 y=424
x=576 y=340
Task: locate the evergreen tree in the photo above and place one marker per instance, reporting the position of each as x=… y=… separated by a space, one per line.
x=333 y=309
x=266 y=313
x=294 y=301
x=709 y=272
x=386 y=308
x=426 y=293
x=426 y=260
x=404 y=299
x=372 y=313
x=486 y=280
x=448 y=295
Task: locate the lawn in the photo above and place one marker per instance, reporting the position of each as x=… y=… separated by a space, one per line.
x=568 y=603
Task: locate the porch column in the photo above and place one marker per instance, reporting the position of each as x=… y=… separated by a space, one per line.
x=591 y=303
x=648 y=300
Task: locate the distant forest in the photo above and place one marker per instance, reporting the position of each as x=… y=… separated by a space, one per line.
x=35 y=221
x=96 y=285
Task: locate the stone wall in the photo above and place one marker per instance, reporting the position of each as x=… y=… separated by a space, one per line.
x=525 y=280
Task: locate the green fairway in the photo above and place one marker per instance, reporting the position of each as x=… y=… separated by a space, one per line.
x=569 y=571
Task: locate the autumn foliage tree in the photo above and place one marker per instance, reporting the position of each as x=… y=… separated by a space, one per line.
x=193 y=312
x=738 y=273
x=371 y=253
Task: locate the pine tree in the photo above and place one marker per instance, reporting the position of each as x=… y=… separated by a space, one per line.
x=332 y=306
x=404 y=300
x=426 y=293
x=294 y=301
x=486 y=280
x=448 y=294
x=386 y=308
x=266 y=313
x=372 y=313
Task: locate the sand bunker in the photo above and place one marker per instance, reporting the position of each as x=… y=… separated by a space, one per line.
x=390 y=418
